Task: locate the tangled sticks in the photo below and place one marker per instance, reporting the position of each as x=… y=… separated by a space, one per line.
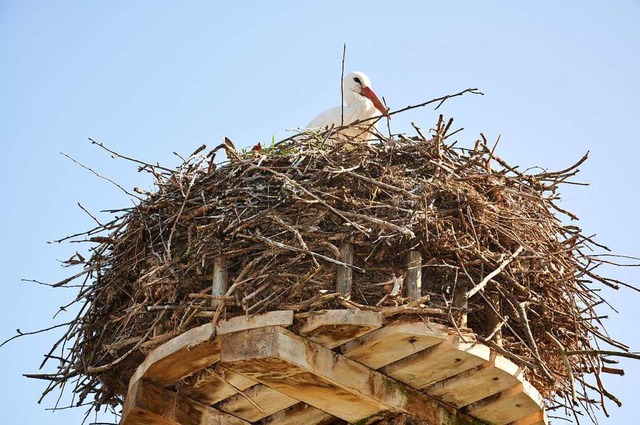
x=496 y=256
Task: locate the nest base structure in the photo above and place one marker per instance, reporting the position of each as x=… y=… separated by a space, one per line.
x=327 y=367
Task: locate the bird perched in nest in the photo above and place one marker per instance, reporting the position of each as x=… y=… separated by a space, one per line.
x=360 y=103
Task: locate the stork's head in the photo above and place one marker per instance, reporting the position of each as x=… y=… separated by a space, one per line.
x=359 y=83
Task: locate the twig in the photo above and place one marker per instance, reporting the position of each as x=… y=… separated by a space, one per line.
x=491 y=275
x=137 y=161
x=91 y=215
x=102 y=177
x=21 y=334
x=344 y=55
x=94 y=370
x=296 y=249
x=177 y=219
x=635 y=356
x=567 y=365
x=440 y=100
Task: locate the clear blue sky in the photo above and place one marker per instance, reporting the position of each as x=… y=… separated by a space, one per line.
x=152 y=77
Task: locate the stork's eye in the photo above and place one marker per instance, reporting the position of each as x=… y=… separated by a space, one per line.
x=357 y=80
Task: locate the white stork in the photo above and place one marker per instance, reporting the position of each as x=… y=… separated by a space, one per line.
x=360 y=103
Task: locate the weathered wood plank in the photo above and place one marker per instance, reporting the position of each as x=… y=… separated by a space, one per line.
x=413 y=280
x=150 y=404
x=210 y=389
x=480 y=382
x=180 y=357
x=198 y=348
x=508 y=406
x=344 y=275
x=242 y=323
x=301 y=413
x=439 y=362
x=269 y=400
x=333 y=383
x=394 y=342
x=331 y=328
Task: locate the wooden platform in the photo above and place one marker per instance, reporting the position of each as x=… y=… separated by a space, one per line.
x=338 y=364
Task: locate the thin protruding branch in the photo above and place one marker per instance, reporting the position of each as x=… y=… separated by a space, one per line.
x=127 y=158
x=102 y=177
x=344 y=55
x=439 y=100
x=20 y=334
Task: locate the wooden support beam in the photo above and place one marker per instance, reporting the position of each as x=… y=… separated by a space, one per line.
x=217 y=385
x=480 y=382
x=508 y=406
x=413 y=280
x=269 y=400
x=331 y=328
x=150 y=404
x=301 y=413
x=394 y=342
x=344 y=276
x=220 y=279
x=321 y=378
x=375 y=349
x=439 y=362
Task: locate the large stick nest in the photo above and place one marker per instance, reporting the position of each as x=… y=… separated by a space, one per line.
x=278 y=216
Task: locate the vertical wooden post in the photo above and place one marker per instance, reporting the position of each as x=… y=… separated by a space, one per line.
x=413 y=281
x=344 y=276
x=158 y=329
x=492 y=320
x=460 y=302
x=219 y=285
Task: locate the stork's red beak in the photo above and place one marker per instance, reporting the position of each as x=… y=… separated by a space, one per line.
x=369 y=94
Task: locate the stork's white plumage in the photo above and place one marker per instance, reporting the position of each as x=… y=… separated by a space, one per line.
x=360 y=103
